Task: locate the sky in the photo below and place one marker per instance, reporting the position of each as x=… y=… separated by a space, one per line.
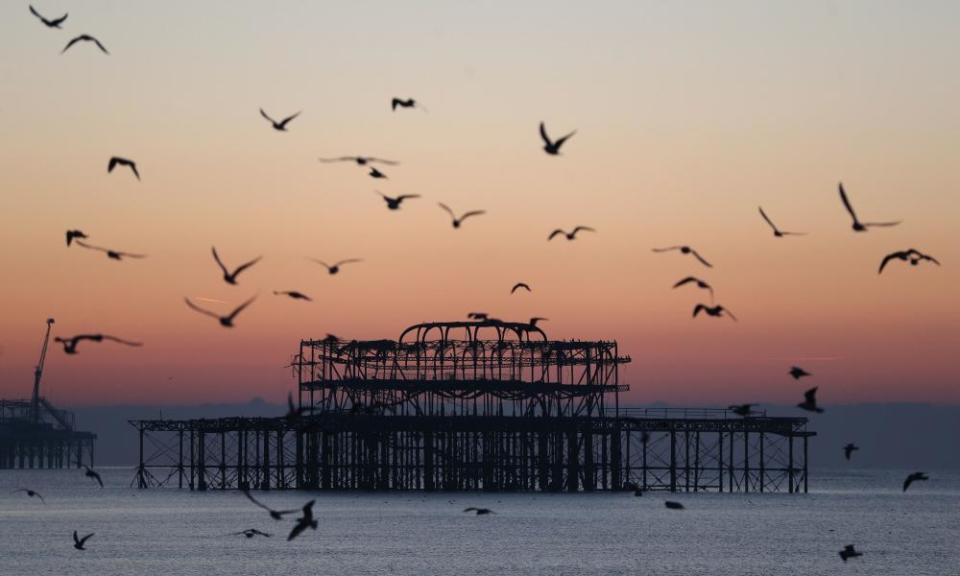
x=688 y=115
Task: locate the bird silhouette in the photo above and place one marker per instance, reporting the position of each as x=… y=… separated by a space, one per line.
x=776 y=231
x=857 y=225
x=686 y=250
x=849 y=449
x=250 y=533
x=478 y=315
x=374 y=173
x=849 y=552
x=916 y=476
x=70 y=344
x=116 y=160
x=360 y=160
x=810 y=401
x=478 y=511
x=111 y=254
x=282 y=125
x=797 y=372
x=405 y=103
x=91 y=473
x=458 y=221
x=520 y=285
x=84 y=38
x=741 y=409
x=572 y=235
x=673 y=505
x=552 y=147
x=49 y=23
x=275 y=514
x=910 y=255
x=225 y=321
x=699 y=283
x=715 y=311
x=394 y=203
x=304 y=522
x=293 y=294
x=231 y=277
x=30 y=494
x=533 y=321
x=78 y=542
x=335 y=267
x=71 y=234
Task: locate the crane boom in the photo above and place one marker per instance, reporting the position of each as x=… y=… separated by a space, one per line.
x=38 y=374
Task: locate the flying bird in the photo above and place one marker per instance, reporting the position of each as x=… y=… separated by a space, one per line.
x=293 y=294
x=91 y=473
x=458 y=221
x=374 y=173
x=533 y=321
x=335 y=267
x=231 y=277
x=360 y=160
x=848 y=450
x=408 y=103
x=282 y=125
x=49 y=23
x=913 y=478
x=849 y=552
x=810 y=401
x=304 y=522
x=572 y=235
x=715 y=311
x=857 y=225
x=776 y=231
x=115 y=160
x=79 y=542
x=699 y=283
x=478 y=315
x=250 y=533
x=911 y=255
x=478 y=511
x=686 y=250
x=798 y=372
x=71 y=234
x=70 y=344
x=30 y=494
x=84 y=38
x=112 y=254
x=552 y=147
x=520 y=285
x=225 y=321
x=275 y=514
x=673 y=505
x=741 y=409
x=394 y=203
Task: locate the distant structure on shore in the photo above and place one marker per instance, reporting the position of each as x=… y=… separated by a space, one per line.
x=485 y=405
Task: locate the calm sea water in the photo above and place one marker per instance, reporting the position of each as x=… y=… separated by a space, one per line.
x=175 y=532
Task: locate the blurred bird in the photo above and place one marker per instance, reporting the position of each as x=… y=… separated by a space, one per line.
x=394 y=203
x=700 y=284
x=911 y=255
x=478 y=511
x=30 y=494
x=478 y=315
x=535 y=319
x=408 y=103
x=374 y=173
x=810 y=401
x=282 y=125
x=250 y=533
x=225 y=321
x=916 y=476
x=849 y=552
x=857 y=225
x=275 y=514
x=49 y=23
x=304 y=522
x=293 y=294
x=685 y=250
x=848 y=450
x=798 y=372
x=70 y=344
x=71 y=234
x=111 y=254
x=335 y=267
x=673 y=505
x=457 y=221
x=572 y=235
x=116 y=160
x=520 y=285
x=84 y=38
x=715 y=311
x=360 y=160
x=231 y=277
x=79 y=542
x=552 y=147
x=776 y=231
x=741 y=409
x=91 y=473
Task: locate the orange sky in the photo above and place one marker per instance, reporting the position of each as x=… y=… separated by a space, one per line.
x=688 y=118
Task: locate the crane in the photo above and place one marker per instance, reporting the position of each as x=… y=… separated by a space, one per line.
x=38 y=373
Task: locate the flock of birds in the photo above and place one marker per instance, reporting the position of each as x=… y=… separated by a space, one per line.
x=551 y=147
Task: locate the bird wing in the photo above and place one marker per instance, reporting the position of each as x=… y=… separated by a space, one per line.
x=394 y=103
x=199 y=309
x=889 y=257
x=811 y=395
x=91 y=246
x=246 y=265
x=382 y=161
x=470 y=509
x=288 y=119
x=96 y=476
x=121 y=341
x=103 y=48
x=447 y=208
x=348 y=261
x=265 y=115
x=543 y=134
x=71 y=43
x=698 y=308
x=255 y=501
x=930 y=258
x=300 y=527
x=240 y=308
x=669 y=248
x=129 y=254
x=112 y=164
x=59 y=20
x=700 y=258
x=518 y=286
x=882 y=224
x=472 y=213
x=846 y=202
x=554 y=233
x=82 y=540
x=216 y=257
x=403 y=197
x=133 y=166
x=560 y=141
x=730 y=314
x=907 y=482
x=340 y=159
x=686 y=280
x=583 y=228
x=321 y=262
x=765 y=217
x=37 y=14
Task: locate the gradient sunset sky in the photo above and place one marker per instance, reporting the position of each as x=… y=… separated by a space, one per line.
x=689 y=116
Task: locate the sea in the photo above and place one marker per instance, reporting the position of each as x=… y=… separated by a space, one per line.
x=177 y=532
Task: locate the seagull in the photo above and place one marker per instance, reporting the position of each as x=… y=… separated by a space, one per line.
x=282 y=125
x=275 y=514
x=913 y=478
x=849 y=552
x=84 y=38
x=293 y=294
x=225 y=321
x=49 y=23
x=458 y=221
x=70 y=344
x=776 y=231
x=304 y=522
x=686 y=250
x=533 y=321
x=810 y=401
x=478 y=511
x=71 y=234
x=552 y=147
x=857 y=225
x=394 y=203
x=715 y=311
x=249 y=533
x=78 y=542
x=114 y=160
x=848 y=450
x=673 y=505
x=30 y=493
x=360 y=160
x=911 y=255
x=478 y=315
x=741 y=409
x=374 y=173
x=228 y=277
x=91 y=473
x=408 y=103
x=572 y=235
x=335 y=267
x=520 y=285
x=700 y=284
x=112 y=254
x=798 y=372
